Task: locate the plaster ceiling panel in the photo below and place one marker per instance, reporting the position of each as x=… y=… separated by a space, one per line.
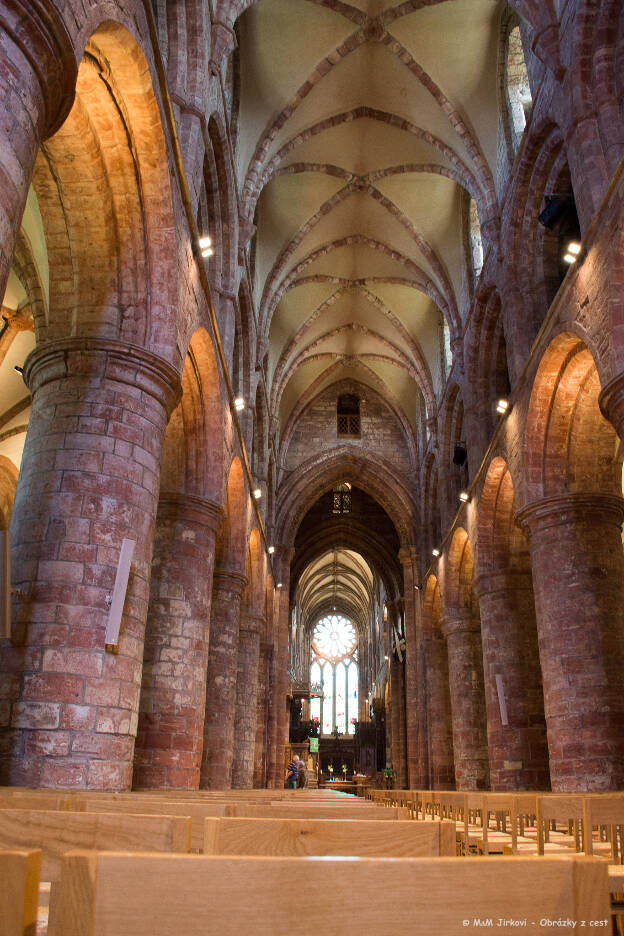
x=362 y=215
x=286 y=204
x=457 y=45
x=356 y=261
x=421 y=317
x=15 y=293
x=351 y=338
x=281 y=43
x=370 y=76
x=366 y=145
x=296 y=305
x=301 y=379
x=13 y=448
x=433 y=203
x=402 y=385
x=351 y=306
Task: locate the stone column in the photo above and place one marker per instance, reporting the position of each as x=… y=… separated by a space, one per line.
x=170 y=735
x=414 y=697
x=251 y=626
x=281 y=566
x=38 y=73
x=218 y=753
x=261 y=755
x=397 y=715
x=578 y=580
x=89 y=479
x=465 y=667
x=438 y=724
x=518 y=751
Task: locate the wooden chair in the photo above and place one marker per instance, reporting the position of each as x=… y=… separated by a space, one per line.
x=364 y=838
x=563 y=809
x=106 y=894
x=604 y=811
x=58 y=832
x=19 y=892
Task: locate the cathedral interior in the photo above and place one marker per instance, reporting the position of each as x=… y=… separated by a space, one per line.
x=312 y=393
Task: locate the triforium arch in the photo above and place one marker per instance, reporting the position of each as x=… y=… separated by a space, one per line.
x=462 y=629
x=513 y=686
x=573 y=506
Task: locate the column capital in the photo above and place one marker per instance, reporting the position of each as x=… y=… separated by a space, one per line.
x=108 y=360
x=408 y=555
x=191 y=509
x=459 y=621
x=229 y=580
x=561 y=509
x=37 y=28
x=611 y=402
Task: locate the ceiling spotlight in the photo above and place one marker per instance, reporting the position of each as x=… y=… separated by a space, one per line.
x=435 y=552
x=20 y=370
x=239 y=404
x=257 y=493
x=464 y=497
x=205 y=244
x=271 y=550
x=502 y=406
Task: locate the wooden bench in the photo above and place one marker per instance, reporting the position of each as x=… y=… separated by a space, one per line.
x=19 y=891
x=107 y=894
x=314 y=812
x=58 y=832
x=364 y=838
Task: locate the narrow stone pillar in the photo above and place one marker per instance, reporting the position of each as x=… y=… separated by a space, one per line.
x=89 y=479
x=261 y=755
x=465 y=667
x=519 y=750
x=397 y=716
x=38 y=73
x=218 y=753
x=438 y=724
x=170 y=735
x=280 y=714
x=414 y=697
x=251 y=626
x=578 y=580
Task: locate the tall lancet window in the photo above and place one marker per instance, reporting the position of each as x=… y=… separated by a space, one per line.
x=334 y=665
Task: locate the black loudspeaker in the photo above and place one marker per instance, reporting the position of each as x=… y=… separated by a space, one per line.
x=460 y=454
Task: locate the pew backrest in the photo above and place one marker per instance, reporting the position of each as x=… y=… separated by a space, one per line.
x=363 y=838
x=19 y=892
x=294 y=811
x=58 y=832
x=105 y=894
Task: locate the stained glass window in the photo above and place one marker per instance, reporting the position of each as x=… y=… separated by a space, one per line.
x=334 y=655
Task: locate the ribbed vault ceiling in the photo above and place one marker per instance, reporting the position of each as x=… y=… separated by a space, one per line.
x=363 y=126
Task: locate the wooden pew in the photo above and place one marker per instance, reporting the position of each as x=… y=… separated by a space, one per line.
x=19 y=892
x=107 y=894
x=314 y=812
x=604 y=810
x=364 y=838
x=57 y=832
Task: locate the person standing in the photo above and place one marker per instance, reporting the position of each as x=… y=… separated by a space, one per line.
x=292 y=773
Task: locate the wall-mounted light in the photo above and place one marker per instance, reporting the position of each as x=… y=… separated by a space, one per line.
x=464 y=497
x=386 y=658
x=239 y=404
x=502 y=406
x=574 y=249
x=205 y=245
x=435 y=552
x=20 y=370
x=257 y=493
x=279 y=585
x=271 y=550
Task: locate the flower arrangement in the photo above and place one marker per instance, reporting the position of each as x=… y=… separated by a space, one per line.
x=331 y=768
x=344 y=769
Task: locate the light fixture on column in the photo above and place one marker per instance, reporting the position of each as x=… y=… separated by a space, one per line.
x=239 y=404
x=257 y=493
x=271 y=550
x=279 y=585
x=435 y=552
x=574 y=249
x=386 y=658
x=502 y=406
x=464 y=497
x=205 y=245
